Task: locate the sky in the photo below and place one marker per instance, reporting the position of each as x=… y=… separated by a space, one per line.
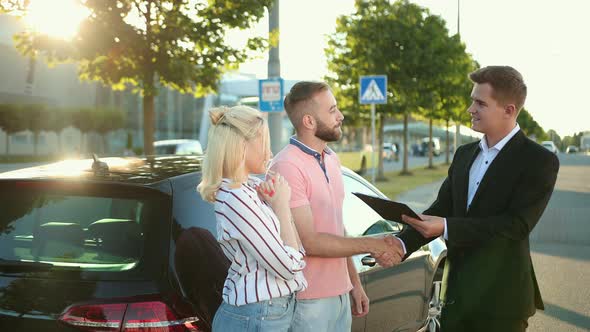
x=547 y=41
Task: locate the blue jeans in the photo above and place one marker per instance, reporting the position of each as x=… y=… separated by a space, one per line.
x=331 y=314
x=271 y=315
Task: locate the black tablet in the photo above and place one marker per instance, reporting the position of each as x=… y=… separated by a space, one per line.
x=388 y=209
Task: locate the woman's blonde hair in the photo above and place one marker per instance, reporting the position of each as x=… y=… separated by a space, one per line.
x=230 y=129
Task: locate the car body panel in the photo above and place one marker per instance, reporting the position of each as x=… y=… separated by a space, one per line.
x=34 y=300
x=398 y=295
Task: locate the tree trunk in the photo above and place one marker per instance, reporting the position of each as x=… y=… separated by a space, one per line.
x=35 y=143
x=430 y=145
x=405 y=170
x=7 y=144
x=380 y=170
x=82 y=144
x=59 y=147
x=148 y=124
x=178 y=112
x=448 y=153
x=457 y=135
x=104 y=144
x=118 y=96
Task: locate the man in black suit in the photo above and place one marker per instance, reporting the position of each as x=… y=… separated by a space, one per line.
x=495 y=193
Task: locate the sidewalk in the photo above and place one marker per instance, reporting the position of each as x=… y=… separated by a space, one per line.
x=420 y=198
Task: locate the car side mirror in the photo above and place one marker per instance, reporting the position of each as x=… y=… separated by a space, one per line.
x=369 y=260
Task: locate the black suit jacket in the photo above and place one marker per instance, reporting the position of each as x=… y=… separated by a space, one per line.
x=488 y=269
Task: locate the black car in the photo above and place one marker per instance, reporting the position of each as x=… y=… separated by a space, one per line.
x=127 y=244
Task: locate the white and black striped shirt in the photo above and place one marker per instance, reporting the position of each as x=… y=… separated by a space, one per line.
x=262 y=266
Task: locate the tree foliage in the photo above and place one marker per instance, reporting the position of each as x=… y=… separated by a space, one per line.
x=12 y=121
x=425 y=67
x=529 y=126
x=37 y=118
x=179 y=44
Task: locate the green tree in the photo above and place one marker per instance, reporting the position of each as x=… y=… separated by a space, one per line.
x=456 y=96
x=106 y=121
x=552 y=135
x=443 y=69
x=150 y=43
x=530 y=127
x=571 y=140
x=36 y=119
x=404 y=50
x=84 y=119
x=58 y=120
x=12 y=120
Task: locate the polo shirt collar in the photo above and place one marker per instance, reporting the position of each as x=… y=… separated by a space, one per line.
x=293 y=140
x=317 y=156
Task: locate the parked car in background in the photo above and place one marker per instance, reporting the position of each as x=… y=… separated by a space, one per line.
x=127 y=244
x=585 y=142
x=390 y=152
x=423 y=147
x=178 y=147
x=549 y=145
x=572 y=149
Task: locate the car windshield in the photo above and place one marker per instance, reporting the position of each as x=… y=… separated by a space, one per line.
x=66 y=230
x=166 y=149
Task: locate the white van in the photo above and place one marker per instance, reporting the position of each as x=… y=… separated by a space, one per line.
x=549 y=145
x=435 y=147
x=178 y=146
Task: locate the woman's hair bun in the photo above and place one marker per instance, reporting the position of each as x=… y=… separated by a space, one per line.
x=217 y=114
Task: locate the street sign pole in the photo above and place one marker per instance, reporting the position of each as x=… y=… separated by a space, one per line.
x=373 y=90
x=275 y=119
x=373 y=161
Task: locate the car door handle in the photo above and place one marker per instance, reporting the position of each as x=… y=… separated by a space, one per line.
x=369 y=260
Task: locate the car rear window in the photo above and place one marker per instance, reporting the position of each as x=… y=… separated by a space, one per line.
x=82 y=229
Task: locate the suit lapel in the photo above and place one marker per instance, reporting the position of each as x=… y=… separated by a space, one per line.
x=463 y=179
x=494 y=172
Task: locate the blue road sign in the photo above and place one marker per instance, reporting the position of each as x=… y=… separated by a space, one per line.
x=270 y=95
x=373 y=89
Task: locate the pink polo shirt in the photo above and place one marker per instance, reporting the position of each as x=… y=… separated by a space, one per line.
x=320 y=187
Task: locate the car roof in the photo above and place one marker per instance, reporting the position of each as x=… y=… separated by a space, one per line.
x=127 y=170
x=131 y=170
x=175 y=141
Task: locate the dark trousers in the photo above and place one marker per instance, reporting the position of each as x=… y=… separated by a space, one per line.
x=450 y=323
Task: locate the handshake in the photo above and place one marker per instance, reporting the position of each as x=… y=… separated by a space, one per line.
x=387 y=251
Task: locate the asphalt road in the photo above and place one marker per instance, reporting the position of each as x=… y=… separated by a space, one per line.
x=560 y=246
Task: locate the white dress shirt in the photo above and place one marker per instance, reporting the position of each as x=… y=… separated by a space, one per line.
x=481 y=164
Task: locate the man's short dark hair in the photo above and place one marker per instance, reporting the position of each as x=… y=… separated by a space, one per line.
x=507 y=82
x=300 y=99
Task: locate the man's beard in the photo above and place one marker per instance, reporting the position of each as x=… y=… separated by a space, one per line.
x=327 y=134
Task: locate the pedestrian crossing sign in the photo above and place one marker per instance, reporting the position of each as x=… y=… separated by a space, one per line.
x=373 y=89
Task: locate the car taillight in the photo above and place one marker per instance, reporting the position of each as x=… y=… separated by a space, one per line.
x=151 y=316
x=155 y=316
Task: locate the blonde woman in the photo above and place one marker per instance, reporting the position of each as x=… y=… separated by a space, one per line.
x=254 y=225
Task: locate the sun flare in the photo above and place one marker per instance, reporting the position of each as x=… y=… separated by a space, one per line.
x=56 y=18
